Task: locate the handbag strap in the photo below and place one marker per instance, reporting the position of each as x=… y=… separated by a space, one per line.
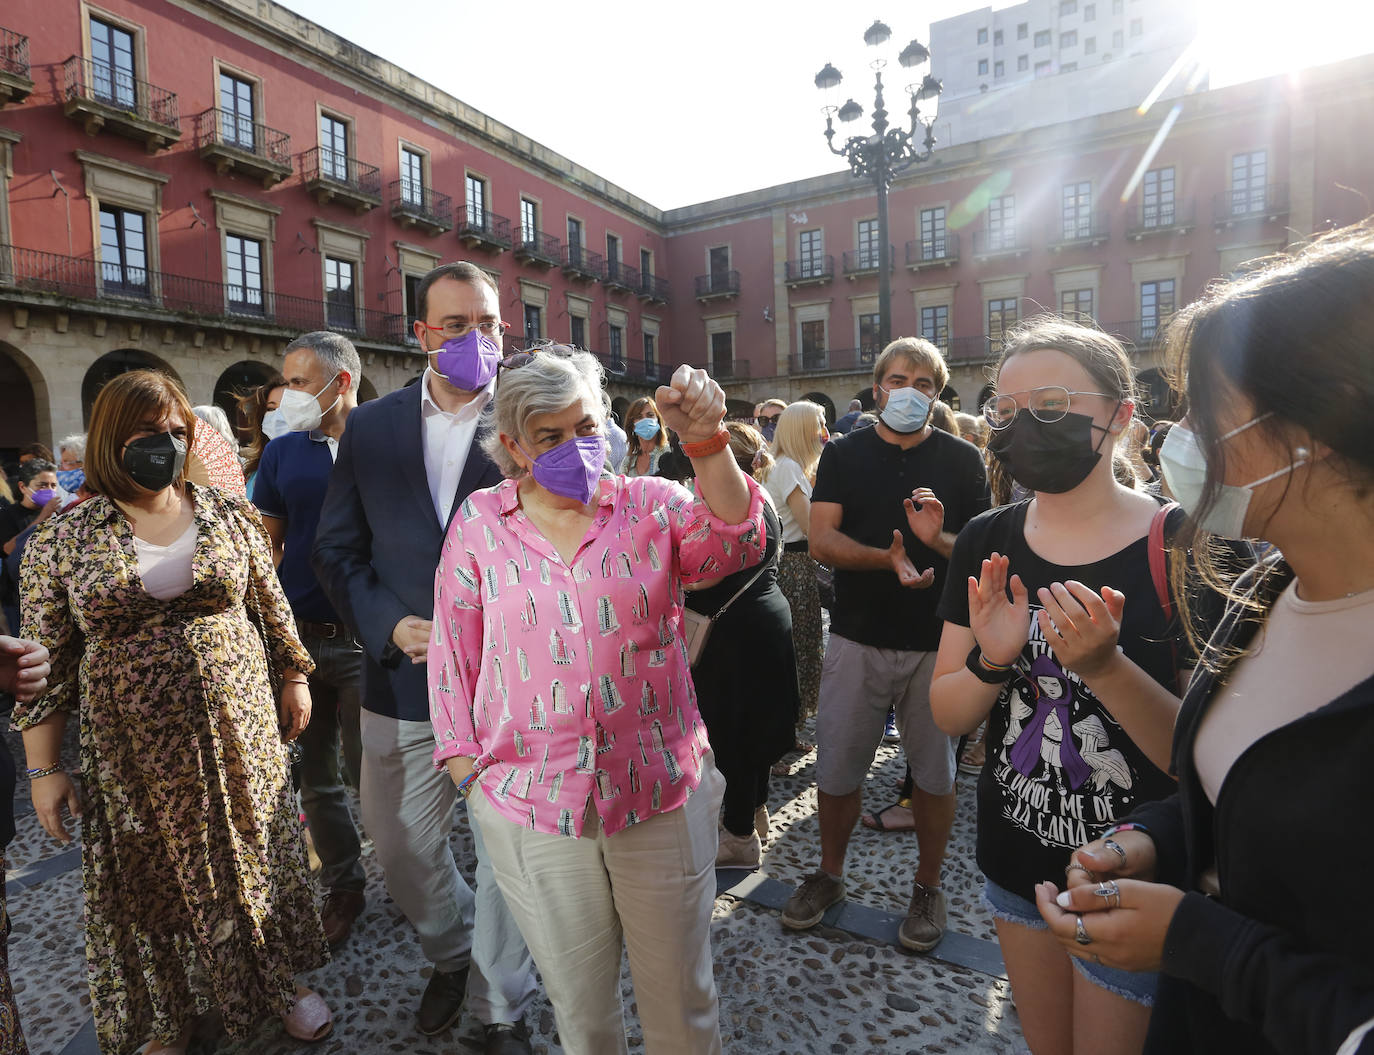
x=763 y=567
x=1159 y=568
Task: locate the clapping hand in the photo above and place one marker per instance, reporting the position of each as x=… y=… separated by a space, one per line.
x=1081 y=627
x=691 y=404
x=1000 y=626
x=905 y=571
x=925 y=515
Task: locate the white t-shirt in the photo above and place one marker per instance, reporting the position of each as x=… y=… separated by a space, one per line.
x=166 y=570
x=786 y=477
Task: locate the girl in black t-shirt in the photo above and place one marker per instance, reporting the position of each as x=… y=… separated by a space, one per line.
x=1054 y=631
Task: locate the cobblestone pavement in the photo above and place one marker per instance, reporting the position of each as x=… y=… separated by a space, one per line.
x=832 y=989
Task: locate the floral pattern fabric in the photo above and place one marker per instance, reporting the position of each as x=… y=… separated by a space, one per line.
x=571 y=683
x=197 y=888
x=11 y=1035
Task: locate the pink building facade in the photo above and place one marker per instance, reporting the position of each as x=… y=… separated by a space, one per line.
x=189 y=185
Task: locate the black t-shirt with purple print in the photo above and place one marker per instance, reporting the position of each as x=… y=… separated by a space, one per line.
x=1059 y=767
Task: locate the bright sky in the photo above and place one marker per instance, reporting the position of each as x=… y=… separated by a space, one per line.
x=681 y=105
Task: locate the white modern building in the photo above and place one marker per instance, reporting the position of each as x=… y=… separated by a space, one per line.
x=1045 y=61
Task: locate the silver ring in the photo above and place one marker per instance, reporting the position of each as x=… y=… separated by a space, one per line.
x=1076 y=863
x=1107 y=891
x=1115 y=847
x=1080 y=935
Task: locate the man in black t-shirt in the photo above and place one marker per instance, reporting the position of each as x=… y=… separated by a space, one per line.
x=887 y=506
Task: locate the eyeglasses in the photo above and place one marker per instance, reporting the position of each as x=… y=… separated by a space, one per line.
x=539 y=346
x=1047 y=405
x=764 y=419
x=453 y=330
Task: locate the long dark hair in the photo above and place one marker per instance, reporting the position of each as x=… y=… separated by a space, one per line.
x=1293 y=337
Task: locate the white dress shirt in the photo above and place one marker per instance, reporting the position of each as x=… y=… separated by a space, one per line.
x=447 y=440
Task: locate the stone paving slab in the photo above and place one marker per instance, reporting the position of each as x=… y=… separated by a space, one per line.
x=842 y=987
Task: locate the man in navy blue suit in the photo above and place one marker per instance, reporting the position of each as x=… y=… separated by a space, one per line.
x=404 y=465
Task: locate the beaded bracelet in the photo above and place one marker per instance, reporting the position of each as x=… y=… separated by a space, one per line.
x=45 y=771
x=1129 y=826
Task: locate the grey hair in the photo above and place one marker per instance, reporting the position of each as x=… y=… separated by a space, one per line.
x=334 y=351
x=554 y=379
x=218 y=420
x=76 y=443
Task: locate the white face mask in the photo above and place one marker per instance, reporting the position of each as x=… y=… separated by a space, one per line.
x=300 y=411
x=274 y=424
x=1185 y=471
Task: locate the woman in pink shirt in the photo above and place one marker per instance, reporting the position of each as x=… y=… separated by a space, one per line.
x=562 y=700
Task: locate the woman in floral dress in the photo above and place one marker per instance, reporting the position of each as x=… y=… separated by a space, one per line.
x=155 y=599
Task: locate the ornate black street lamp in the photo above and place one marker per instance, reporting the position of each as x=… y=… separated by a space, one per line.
x=887 y=151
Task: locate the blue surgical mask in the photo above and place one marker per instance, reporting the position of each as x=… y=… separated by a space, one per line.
x=646 y=428
x=907 y=410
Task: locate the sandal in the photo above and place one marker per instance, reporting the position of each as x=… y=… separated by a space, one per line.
x=310 y=1019
x=874 y=821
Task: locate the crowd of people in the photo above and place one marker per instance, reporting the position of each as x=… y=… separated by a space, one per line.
x=603 y=635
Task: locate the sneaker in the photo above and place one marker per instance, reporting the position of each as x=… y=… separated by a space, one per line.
x=761 y=823
x=739 y=851
x=924 y=925
x=816 y=894
x=890 y=734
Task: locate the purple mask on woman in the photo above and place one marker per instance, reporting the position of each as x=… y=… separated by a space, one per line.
x=571 y=469
x=468 y=362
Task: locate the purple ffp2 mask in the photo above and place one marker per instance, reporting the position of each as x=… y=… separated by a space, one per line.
x=468 y=362
x=571 y=469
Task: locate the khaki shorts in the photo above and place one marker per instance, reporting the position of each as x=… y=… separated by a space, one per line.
x=858 y=685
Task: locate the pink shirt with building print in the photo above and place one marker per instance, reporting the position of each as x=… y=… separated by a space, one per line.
x=569 y=682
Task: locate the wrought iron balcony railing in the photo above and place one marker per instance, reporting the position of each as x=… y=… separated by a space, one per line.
x=230 y=140
x=581 y=262
x=999 y=240
x=86 y=279
x=733 y=370
x=416 y=205
x=833 y=360
x=14 y=53
x=652 y=288
x=482 y=227
x=620 y=275
x=942 y=249
x=647 y=371
x=331 y=172
x=977 y=349
x=1091 y=229
x=717 y=284
x=809 y=269
x=1163 y=218
x=536 y=247
x=862 y=261
x=101 y=95
x=1249 y=203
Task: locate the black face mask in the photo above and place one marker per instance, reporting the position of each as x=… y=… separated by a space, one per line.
x=154 y=462
x=1052 y=458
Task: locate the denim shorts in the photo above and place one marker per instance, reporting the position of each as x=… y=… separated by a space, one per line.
x=1136 y=986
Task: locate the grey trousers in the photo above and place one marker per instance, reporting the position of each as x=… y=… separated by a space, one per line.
x=335 y=693
x=408 y=812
